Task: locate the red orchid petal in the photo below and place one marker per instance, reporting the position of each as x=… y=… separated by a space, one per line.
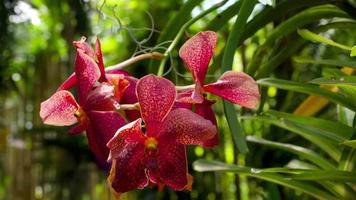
x=127 y=150
x=129 y=97
x=237 y=87
x=117 y=71
x=156 y=96
x=69 y=83
x=102 y=98
x=204 y=109
x=87 y=73
x=104 y=125
x=185 y=96
x=120 y=84
x=80 y=128
x=197 y=52
x=171 y=164
x=95 y=148
x=59 y=109
x=99 y=56
x=84 y=46
x=188 y=106
x=188 y=127
x=192 y=96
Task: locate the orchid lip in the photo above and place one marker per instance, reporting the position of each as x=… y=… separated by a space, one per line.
x=151 y=143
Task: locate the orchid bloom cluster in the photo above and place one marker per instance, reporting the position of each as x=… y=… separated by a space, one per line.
x=145 y=144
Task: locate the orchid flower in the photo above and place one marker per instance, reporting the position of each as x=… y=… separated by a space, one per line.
x=124 y=84
x=236 y=87
x=95 y=111
x=155 y=152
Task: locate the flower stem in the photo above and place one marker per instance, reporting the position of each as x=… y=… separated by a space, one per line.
x=130 y=61
x=134 y=106
x=181 y=32
x=185 y=87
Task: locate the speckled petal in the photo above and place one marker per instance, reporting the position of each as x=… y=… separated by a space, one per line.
x=69 y=83
x=77 y=129
x=87 y=73
x=104 y=125
x=197 y=52
x=102 y=98
x=191 y=95
x=59 y=109
x=156 y=97
x=171 y=168
x=129 y=97
x=120 y=84
x=187 y=127
x=177 y=104
x=205 y=110
x=99 y=56
x=127 y=151
x=237 y=87
x=84 y=47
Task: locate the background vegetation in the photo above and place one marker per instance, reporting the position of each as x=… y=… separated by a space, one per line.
x=299 y=144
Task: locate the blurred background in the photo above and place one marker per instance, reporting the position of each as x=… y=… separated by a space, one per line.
x=36 y=55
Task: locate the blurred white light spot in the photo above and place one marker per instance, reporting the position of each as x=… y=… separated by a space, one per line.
x=16 y=77
x=38 y=192
x=25 y=12
x=28 y=125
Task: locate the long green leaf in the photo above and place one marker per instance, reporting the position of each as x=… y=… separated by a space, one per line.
x=308 y=35
x=287 y=27
x=301 y=19
x=220 y=20
x=333 y=130
x=235 y=127
x=329 y=175
x=298 y=150
x=287 y=51
x=350 y=143
x=325 y=62
x=308 y=89
x=309 y=133
x=213 y=166
x=271 y=14
x=228 y=57
x=339 y=81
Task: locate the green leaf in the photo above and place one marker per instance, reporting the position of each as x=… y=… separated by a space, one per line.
x=268 y=2
x=328 y=62
x=329 y=175
x=213 y=166
x=310 y=133
x=339 y=81
x=228 y=57
x=308 y=35
x=301 y=19
x=350 y=143
x=353 y=51
x=220 y=20
x=235 y=127
x=308 y=89
x=305 y=153
x=330 y=129
x=236 y=34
